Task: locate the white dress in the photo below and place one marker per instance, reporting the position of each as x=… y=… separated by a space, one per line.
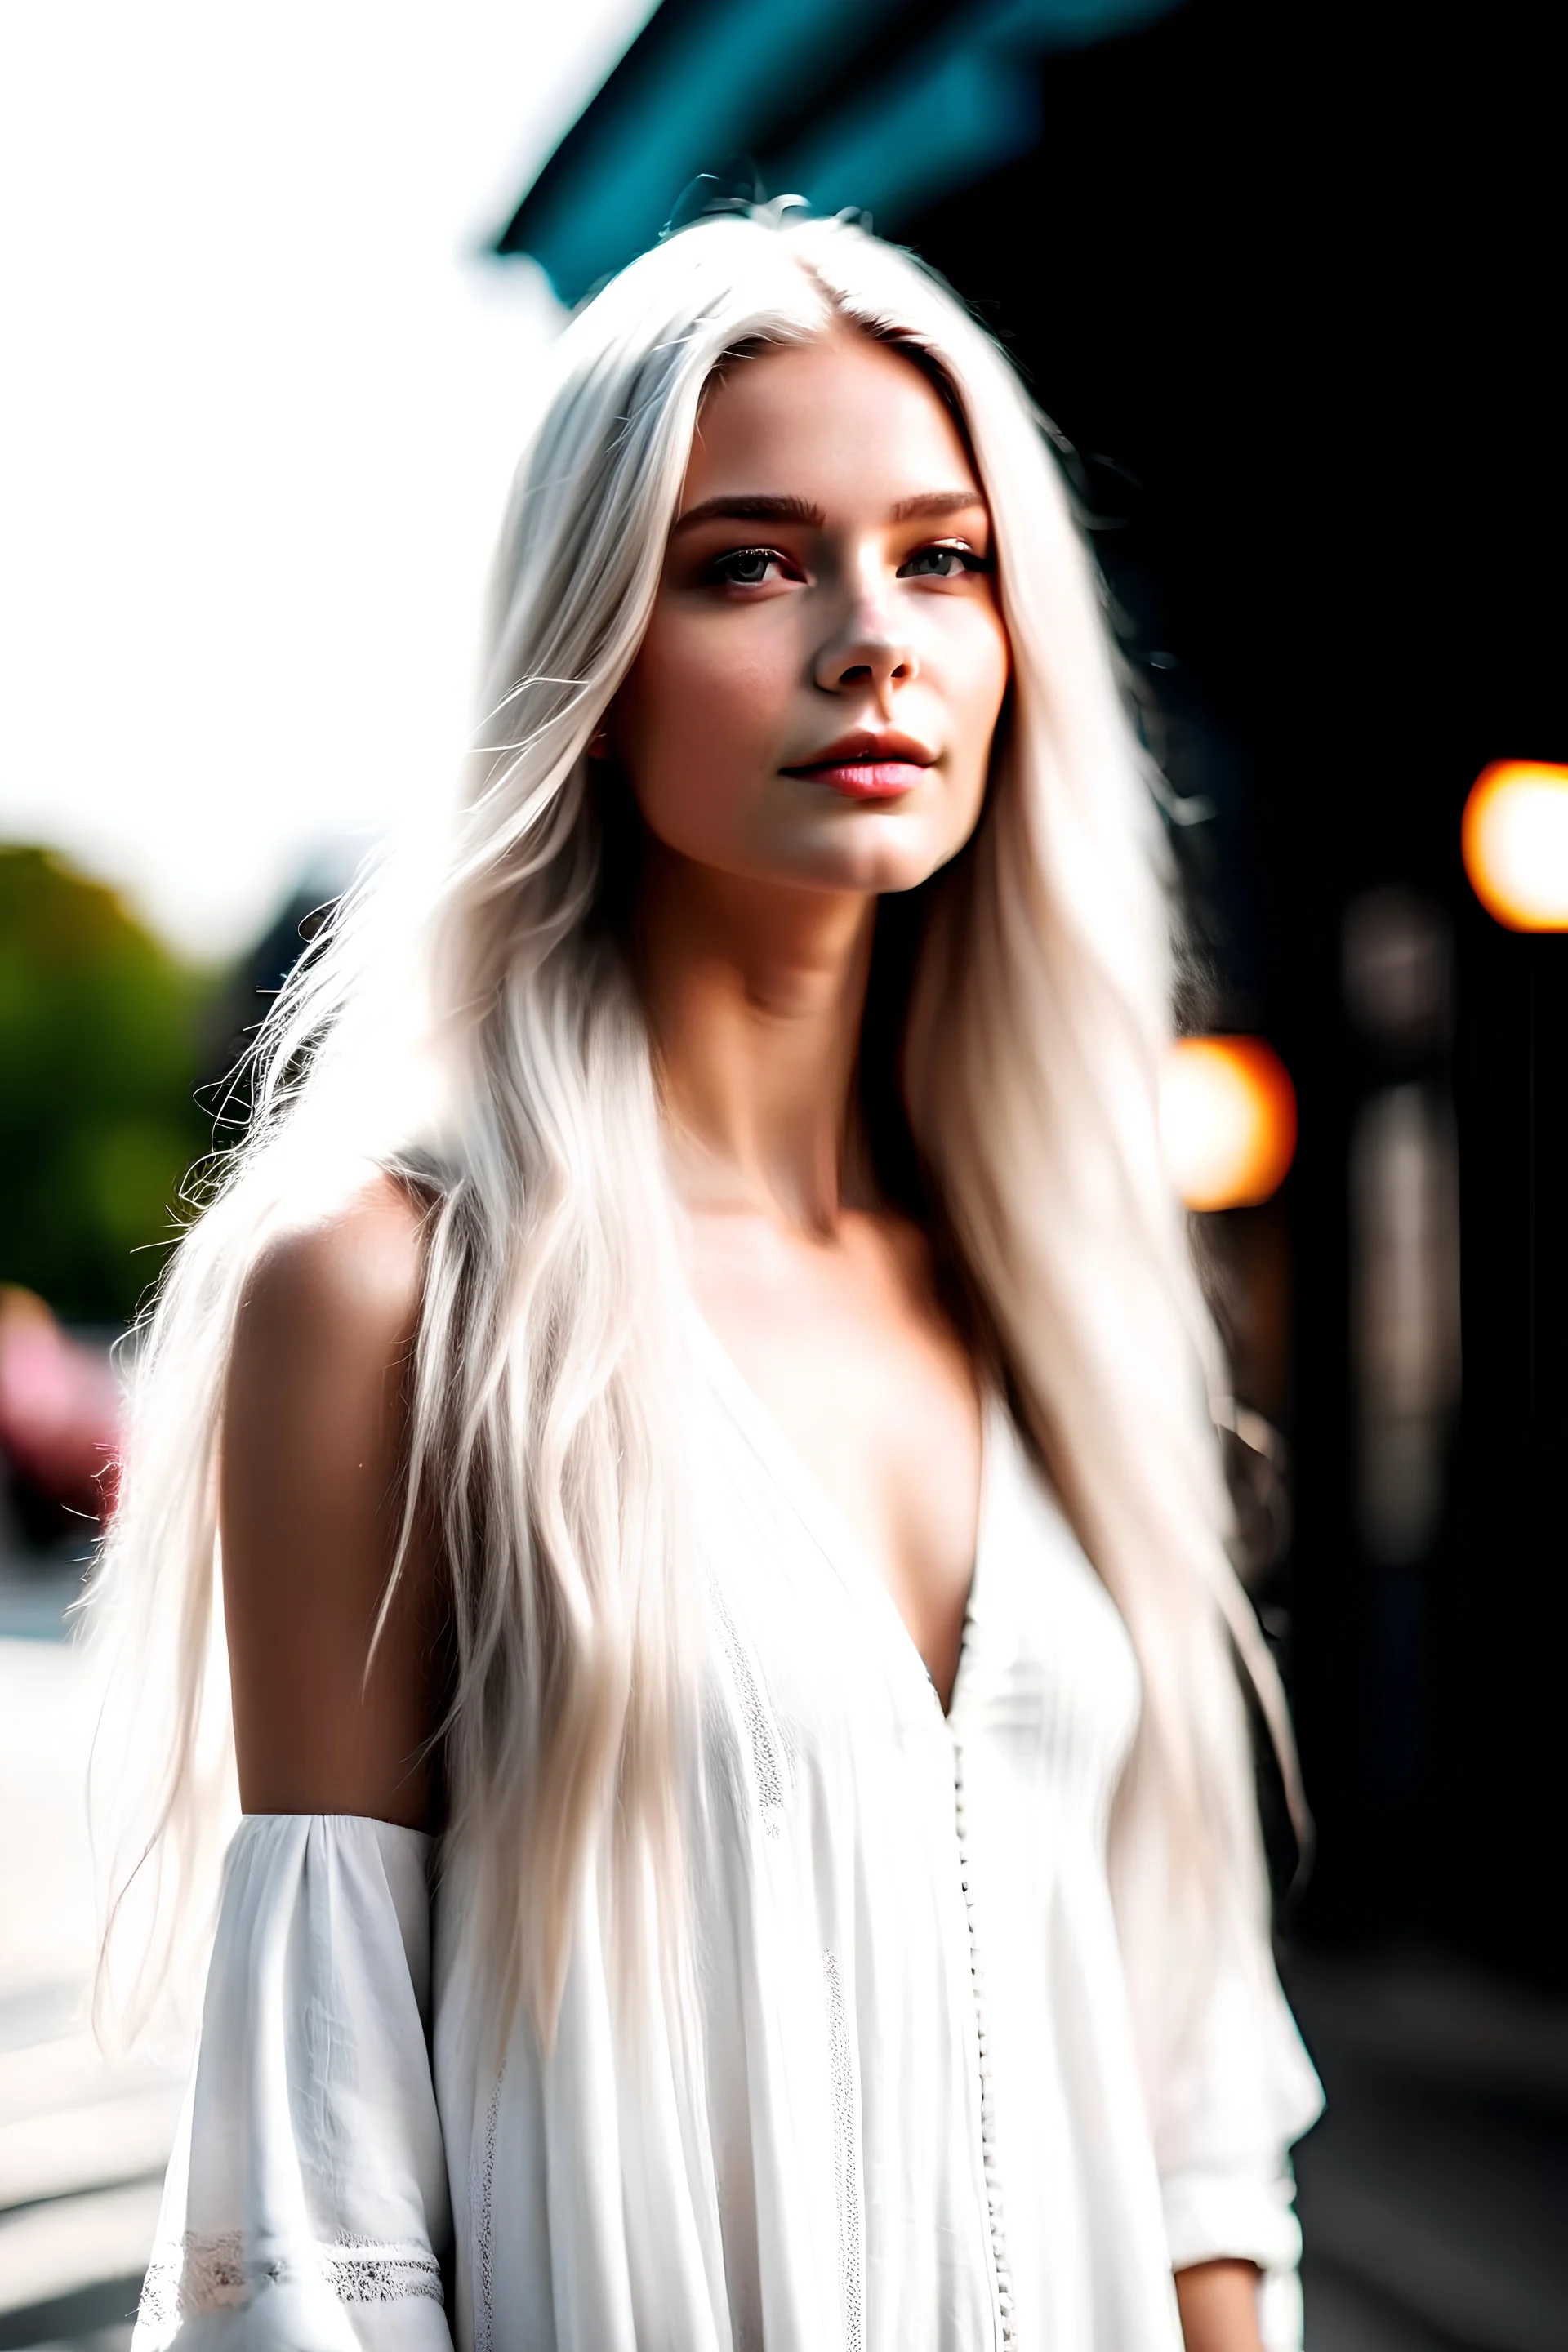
x=916 y=2123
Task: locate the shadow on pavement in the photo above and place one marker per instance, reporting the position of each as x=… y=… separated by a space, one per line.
x=1433 y=2193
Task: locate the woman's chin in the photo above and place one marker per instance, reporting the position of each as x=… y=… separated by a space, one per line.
x=873 y=851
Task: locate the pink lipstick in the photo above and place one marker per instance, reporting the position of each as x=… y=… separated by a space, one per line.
x=868 y=767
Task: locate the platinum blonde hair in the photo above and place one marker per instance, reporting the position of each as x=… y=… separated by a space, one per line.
x=484 y=1042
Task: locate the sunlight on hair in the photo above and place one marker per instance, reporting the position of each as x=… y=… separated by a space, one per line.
x=1227 y=1120
x=1514 y=836
x=469 y=1023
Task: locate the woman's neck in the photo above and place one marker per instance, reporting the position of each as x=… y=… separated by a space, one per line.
x=755 y=992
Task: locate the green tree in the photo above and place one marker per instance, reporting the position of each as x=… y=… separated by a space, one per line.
x=101 y=1037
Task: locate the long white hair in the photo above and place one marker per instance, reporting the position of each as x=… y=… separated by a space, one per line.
x=484 y=1042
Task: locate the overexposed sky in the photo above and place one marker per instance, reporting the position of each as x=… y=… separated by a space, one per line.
x=259 y=409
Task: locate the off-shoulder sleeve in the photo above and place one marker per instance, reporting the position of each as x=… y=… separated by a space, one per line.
x=306 y=2203
x=1228 y=2114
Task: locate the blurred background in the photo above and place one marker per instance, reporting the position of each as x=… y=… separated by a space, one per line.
x=1283 y=278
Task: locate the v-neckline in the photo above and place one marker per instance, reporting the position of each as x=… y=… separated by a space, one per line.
x=825 y=1518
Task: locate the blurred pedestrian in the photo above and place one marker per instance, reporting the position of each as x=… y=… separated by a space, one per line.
x=59 y=1414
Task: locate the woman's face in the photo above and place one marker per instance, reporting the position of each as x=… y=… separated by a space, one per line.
x=816 y=697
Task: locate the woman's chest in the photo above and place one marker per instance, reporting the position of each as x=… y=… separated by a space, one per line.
x=821 y=1720
x=861 y=1372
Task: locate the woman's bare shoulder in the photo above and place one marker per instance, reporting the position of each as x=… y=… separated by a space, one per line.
x=314 y=1442
x=340 y=1275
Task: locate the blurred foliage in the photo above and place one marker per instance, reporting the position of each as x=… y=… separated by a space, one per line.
x=102 y=1034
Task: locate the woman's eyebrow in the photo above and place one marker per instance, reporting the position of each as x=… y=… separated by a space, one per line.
x=741 y=507
x=937 y=502
x=755 y=506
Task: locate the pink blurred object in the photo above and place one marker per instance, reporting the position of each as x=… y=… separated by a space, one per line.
x=59 y=1409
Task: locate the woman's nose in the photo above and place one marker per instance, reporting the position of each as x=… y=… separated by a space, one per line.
x=869 y=653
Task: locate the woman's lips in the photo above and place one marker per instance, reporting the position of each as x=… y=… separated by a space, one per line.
x=867 y=765
x=864 y=779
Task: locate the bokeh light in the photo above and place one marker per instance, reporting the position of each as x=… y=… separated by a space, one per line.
x=1228 y=1118
x=1514 y=836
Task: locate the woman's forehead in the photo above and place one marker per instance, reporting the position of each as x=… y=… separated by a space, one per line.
x=842 y=421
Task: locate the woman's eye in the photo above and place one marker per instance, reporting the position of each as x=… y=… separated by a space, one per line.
x=745 y=567
x=942 y=560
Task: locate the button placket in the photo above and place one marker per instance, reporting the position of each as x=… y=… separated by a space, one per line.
x=1007 y=2332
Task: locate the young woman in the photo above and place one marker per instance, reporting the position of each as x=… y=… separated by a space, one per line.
x=690 y=1397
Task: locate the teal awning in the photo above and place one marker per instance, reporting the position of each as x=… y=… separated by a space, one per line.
x=887 y=104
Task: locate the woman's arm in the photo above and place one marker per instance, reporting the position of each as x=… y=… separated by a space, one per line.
x=313 y=1434
x=1231 y=2097
x=307 y=2201
x=1218 y=2304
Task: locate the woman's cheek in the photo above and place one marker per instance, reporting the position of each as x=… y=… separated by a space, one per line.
x=976 y=655
x=733 y=699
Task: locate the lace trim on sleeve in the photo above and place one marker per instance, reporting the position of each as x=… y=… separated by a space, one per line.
x=201 y=2273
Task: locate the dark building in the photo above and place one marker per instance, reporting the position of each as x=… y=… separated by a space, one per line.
x=1286 y=280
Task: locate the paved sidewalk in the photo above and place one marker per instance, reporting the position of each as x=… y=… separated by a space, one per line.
x=83 y=2142
x=1433 y=2194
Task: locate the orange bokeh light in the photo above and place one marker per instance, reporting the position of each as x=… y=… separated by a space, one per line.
x=1227 y=1119
x=1514 y=837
